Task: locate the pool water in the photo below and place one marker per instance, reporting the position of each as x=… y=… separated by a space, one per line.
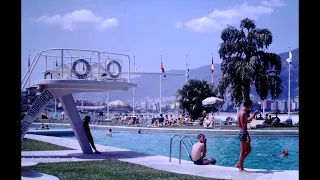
x=225 y=149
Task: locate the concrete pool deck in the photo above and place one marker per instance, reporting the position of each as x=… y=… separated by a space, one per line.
x=153 y=161
x=217 y=131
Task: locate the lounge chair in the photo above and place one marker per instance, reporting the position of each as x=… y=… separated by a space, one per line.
x=254 y=123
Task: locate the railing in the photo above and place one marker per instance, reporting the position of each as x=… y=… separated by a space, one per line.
x=62 y=64
x=181 y=144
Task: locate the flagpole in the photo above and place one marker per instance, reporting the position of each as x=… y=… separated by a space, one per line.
x=187 y=68
x=55 y=100
x=107 y=105
x=211 y=70
x=263 y=107
x=134 y=66
x=29 y=65
x=160 y=86
x=289 y=114
x=289 y=79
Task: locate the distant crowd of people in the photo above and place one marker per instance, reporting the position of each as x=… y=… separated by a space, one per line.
x=43 y=127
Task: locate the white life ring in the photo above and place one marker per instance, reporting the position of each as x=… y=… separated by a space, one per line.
x=118 y=72
x=87 y=69
x=66 y=72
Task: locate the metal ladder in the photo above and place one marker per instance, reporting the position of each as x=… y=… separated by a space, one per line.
x=181 y=144
x=96 y=121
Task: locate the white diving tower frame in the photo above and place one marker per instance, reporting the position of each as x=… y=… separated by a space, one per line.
x=68 y=71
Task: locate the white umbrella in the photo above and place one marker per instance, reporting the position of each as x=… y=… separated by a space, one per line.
x=117 y=103
x=212 y=101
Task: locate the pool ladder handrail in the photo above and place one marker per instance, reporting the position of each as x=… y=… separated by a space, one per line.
x=96 y=121
x=181 y=143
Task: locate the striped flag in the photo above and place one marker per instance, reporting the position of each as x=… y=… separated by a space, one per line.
x=187 y=68
x=162 y=69
x=29 y=62
x=212 y=66
x=289 y=59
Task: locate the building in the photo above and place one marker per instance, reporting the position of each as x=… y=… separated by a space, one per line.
x=294 y=106
x=282 y=105
x=267 y=105
x=274 y=106
x=296 y=99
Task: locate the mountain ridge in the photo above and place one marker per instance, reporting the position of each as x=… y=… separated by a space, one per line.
x=148 y=86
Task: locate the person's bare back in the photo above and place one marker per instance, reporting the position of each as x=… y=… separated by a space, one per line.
x=199 y=150
x=196 y=151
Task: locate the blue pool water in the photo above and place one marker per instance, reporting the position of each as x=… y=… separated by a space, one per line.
x=225 y=149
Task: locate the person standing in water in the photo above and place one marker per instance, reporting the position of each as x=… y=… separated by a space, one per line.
x=243 y=120
x=88 y=133
x=109 y=133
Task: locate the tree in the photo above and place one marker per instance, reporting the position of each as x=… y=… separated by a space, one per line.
x=191 y=95
x=246 y=63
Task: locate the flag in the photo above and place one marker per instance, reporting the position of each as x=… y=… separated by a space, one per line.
x=290 y=57
x=212 y=66
x=134 y=64
x=187 y=69
x=29 y=62
x=162 y=69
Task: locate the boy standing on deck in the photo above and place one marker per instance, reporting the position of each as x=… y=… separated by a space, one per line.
x=88 y=133
x=243 y=120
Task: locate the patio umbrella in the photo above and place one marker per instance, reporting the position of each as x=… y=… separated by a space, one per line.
x=117 y=103
x=212 y=102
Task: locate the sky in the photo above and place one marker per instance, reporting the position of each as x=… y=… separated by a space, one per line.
x=148 y=29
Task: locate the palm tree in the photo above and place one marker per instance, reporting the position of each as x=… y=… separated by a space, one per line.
x=191 y=95
x=246 y=63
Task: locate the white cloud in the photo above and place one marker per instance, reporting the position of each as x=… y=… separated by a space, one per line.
x=217 y=19
x=273 y=3
x=73 y=20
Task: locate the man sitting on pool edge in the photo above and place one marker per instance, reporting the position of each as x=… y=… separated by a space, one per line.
x=199 y=150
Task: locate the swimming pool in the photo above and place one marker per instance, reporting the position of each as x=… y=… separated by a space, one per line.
x=224 y=148
x=37 y=126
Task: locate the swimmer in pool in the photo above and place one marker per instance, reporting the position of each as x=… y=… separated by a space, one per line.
x=285 y=153
x=109 y=133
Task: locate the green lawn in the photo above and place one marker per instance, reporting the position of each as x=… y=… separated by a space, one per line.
x=97 y=170
x=34 y=145
x=108 y=169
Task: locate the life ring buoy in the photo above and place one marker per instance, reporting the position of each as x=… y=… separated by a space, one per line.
x=87 y=69
x=108 y=66
x=66 y=72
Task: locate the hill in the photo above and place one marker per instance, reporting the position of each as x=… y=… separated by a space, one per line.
x=148 y=86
